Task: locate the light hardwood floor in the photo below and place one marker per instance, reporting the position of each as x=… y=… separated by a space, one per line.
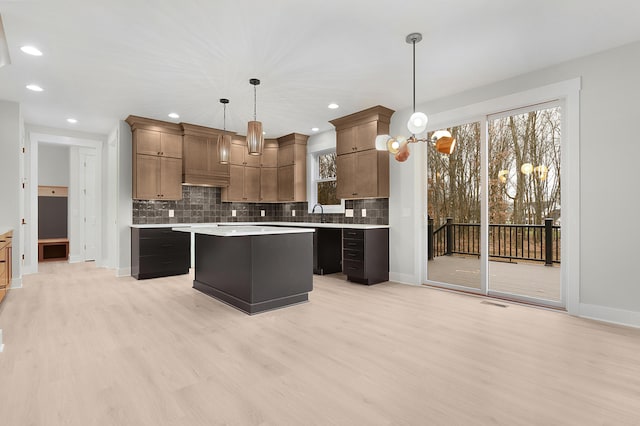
x=86 y=348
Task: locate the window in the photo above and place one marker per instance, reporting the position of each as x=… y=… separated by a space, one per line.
x=323 y=189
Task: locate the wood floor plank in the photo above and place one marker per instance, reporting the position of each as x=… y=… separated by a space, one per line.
x=86 y=348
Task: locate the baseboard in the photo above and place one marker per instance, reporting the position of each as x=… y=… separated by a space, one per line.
x=1 y=344
x=123 y=272
x=398 y=277
x=612 y=315
x=16 y=283
x=75 y=259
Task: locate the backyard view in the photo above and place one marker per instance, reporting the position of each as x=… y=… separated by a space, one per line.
x=523 y=187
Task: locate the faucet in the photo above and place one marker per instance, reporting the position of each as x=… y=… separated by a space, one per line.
x=313 y=210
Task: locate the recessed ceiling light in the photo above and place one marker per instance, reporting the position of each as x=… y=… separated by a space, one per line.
x=264 y=133
x=30 y=50
x=72 y=120
x=34 y=87
x=173 y=115
x=333 y=106
x=314 y=129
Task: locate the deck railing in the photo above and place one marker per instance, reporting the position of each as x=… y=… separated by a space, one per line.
x=514 y=242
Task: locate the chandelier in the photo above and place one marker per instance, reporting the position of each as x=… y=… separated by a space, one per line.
x=399 y=145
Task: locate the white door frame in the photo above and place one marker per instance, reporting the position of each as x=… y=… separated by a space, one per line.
x=34 y=137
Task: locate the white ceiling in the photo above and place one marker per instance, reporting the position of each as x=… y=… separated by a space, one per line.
x=106 y=59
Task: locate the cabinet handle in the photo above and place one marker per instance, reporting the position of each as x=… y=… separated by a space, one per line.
x=3 y=261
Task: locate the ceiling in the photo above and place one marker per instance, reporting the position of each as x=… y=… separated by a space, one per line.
x=103 y=60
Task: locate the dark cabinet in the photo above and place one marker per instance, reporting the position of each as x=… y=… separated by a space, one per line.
x=327 y=253
x=159 y=252
x=365 y=255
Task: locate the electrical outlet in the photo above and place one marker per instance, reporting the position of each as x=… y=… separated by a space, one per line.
x=233 y=213
x=293 y=212
x=262 y=213
x=348 y=212
x=364 y=212
x=171 y=213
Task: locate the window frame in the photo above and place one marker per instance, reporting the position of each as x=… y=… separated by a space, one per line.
x=314 y=179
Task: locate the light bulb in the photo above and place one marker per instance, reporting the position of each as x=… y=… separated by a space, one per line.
x=417 y=123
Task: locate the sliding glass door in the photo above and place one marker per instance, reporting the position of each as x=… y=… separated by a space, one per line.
x=453 y=192
x=506 y=244
x=524 y=204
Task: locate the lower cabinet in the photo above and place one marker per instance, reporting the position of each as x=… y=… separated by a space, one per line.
x=5 y=263
x=365 y=255
x=159 y=252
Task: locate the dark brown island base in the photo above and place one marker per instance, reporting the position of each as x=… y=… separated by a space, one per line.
x=254 y=268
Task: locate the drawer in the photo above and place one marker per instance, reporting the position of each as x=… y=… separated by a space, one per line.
x=354 y=234
x=353 y=268
x=353 y=255
x=163 y=263
x=163 y=247
x=353 y=244
x=163 y=234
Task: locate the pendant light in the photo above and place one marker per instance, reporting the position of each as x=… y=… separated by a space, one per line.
x=224 y=141
x=399 y=146
x=255 y=138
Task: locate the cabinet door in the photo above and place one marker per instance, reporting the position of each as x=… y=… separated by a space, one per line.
x=251 y=183
x=365 y=136
x=286 y=156
x=252 y=160
x=285 y=183
x=345 y=176
x=235 y=190
x=170 y=178
x=269 y=157
x=345 y=141
x=171 y=145
x=236 y=153
x=269 y=184
x=366 y=173
x=147 y=177
x=147 y=142
x=196 y=155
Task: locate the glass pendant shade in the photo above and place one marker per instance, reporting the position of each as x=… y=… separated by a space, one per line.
x=445 y=145
x=224 y=147
x=255 y=138
x=417 y=123
x=381 y=142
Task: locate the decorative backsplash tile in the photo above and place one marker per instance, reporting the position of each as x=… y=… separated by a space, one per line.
x=202 y=204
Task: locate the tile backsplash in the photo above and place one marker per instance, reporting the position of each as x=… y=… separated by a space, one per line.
x=202 y=204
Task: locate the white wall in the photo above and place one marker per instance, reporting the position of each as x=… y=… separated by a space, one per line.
x=609 y=151
x=125 y=204
x=53 y=165
x=11 y=130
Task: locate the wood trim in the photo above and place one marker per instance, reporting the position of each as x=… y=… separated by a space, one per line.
x=293 y=138
x=52 y=191
x=149 y=124
x=195 y=130
x=376 y=113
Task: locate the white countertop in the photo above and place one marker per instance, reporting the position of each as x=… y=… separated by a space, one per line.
x=242 y=230
x=262 y=224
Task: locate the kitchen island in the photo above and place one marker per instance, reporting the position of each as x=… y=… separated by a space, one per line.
x=253 y=268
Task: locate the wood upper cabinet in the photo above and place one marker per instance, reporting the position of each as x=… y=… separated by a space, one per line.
x=292 y=168
x=268 y=184
x=201 y=161
x=269 y=156
x=362 y=172
x=157 y=159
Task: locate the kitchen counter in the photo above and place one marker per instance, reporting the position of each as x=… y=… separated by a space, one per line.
x=253 y=268
x=286 y=224
x=241 y=231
